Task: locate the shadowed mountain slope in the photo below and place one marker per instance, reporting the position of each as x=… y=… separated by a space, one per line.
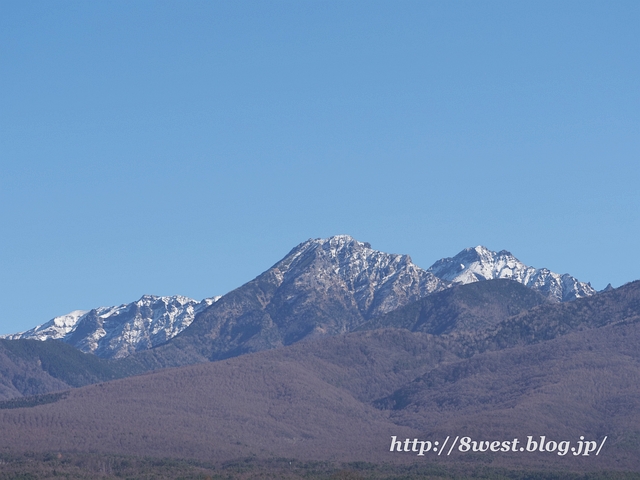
x=546 y=322
x=474 y=307
x=321 y=288
x=473 y=313
x=32 y=367
x=316 y=400
x=309 y=400
x=586 y=383
x=499 y=314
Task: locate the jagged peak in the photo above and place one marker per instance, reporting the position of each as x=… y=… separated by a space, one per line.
x=483 y=251
x=479 y=263
x=480 y=253
x=363 y=270
x=171 y=315
x=166 y=299
x=343 y=251
x=608 y=288
x=337 y=242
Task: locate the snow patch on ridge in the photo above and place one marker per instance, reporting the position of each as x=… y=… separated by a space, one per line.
x=115 y=332
x=379 y=281
x=480 y=263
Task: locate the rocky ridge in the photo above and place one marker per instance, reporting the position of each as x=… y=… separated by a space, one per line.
x=321 y=287
x=116 y=332
x=379 y=282
x=479 y=263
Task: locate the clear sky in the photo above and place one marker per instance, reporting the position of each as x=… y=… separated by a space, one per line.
x=185 y=147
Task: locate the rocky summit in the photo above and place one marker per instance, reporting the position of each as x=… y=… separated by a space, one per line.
x=116 y=332
x=479 y=263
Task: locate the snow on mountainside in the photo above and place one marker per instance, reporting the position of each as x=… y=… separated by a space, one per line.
x=115 y=332
x=322 y=287
x=379 y=281
x=479 y=263
x=52 y=330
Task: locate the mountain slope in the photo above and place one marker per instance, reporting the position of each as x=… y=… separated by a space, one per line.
x=474 y=307
x=557 y=369
x=479 y=263
x=31 y=367
x=303 y=401
x=314 y=399
x=115 y=332
x=322 y=287
x=585 y=383
x=546 y=322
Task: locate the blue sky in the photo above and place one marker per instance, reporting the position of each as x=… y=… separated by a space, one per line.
x=185 y=147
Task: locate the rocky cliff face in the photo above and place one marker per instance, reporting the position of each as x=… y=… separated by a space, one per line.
x=379 y=282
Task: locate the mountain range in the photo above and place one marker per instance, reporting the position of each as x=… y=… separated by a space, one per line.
x=115 y=332
x=369 y=282
x=336 y=349
x=559 y=370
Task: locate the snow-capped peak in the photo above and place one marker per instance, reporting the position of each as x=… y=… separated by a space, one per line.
x=379 y=281
x=479 y=263
x=54 y=329
x=120 y=330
